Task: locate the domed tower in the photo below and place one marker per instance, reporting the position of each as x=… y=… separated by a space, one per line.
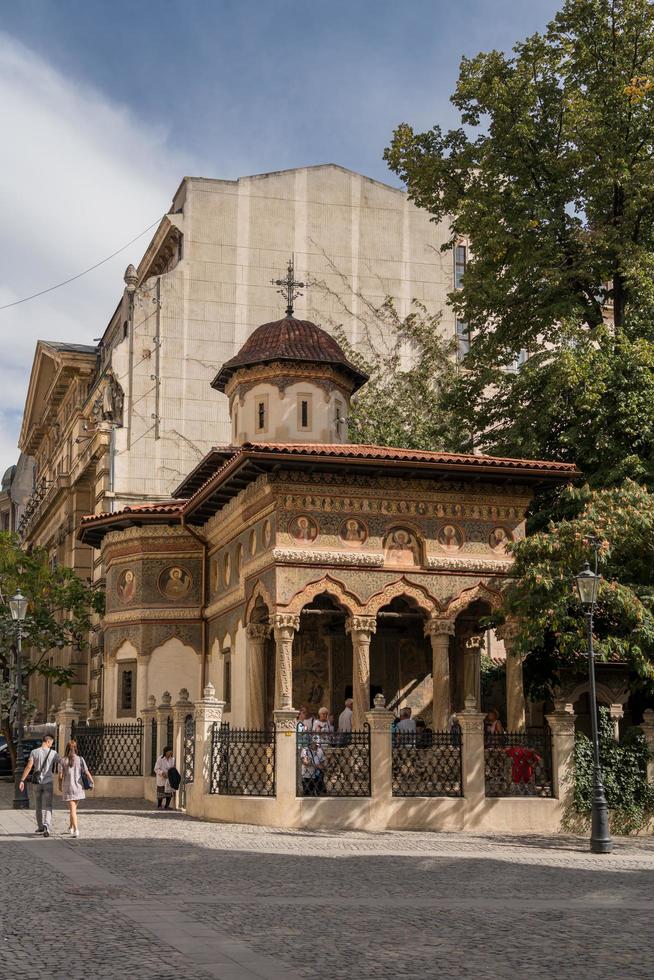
x=290 y=382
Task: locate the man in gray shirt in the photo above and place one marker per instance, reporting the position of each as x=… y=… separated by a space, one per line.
x=43 y=761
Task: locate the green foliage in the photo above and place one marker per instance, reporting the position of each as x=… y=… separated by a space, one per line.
x=492 y=677
x=624 y=771
x=550 y=175
x=410 y=366
x=60 y=612
x=542 y=593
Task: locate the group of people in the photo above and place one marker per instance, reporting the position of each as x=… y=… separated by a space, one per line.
x=73 y=775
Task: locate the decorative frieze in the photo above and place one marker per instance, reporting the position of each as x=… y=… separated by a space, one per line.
x=304 y=556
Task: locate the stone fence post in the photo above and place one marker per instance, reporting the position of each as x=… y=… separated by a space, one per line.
x=473 y=760
x=164 y=712
x=380 y=720
x=647 y=728
x=208 y=711
x=182 y=707
x=286 y=755
x=147 y=714
x=562 y=726
x=65 y=717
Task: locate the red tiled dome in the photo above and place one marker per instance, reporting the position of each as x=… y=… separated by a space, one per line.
x=289 y=340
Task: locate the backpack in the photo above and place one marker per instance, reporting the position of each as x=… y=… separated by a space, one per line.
x=174 y=778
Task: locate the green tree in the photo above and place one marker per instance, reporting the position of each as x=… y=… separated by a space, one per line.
x=542 y=593
x=60 y=611
x=550 y=175
x=410 y=366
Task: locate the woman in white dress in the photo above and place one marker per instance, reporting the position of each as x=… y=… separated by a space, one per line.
x=71 y=768
x=162 y=766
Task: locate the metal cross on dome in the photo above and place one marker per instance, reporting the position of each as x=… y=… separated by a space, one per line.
x=289 y=287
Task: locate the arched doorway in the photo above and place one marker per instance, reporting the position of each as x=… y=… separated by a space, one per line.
x=322 y=657
x=400 y=657
x=468 y=646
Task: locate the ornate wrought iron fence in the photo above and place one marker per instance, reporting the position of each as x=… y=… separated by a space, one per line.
x=242 y=761
x=427 y=764
x=188 y=757
x=333 y=763
x=111 y=750
x=519 y=763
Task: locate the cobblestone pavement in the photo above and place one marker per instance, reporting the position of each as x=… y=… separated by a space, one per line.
x=143 y=894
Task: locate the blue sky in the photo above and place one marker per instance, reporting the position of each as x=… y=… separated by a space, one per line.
x=104 y=106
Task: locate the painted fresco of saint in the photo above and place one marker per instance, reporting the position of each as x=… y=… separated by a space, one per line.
x=175 y=582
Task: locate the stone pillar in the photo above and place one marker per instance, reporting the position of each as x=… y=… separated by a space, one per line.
x=439 y=632
x=361 y=629
x=164 y=711
x=66 y=717
x=257 y=634
x=562 y=727
x=147 y=714
x=208 y=711
x=647 y=728
x=472 y=752
x=616 y=712
x=380 y=720
x=285 y=626
x=142 y=663
x=472 y=668
x=286 y=755
x=515 y=694
x=181 y=709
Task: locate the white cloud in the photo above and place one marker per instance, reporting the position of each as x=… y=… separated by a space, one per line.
x=80 y=176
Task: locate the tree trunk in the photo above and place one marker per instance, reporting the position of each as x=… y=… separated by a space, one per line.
x=6 y=731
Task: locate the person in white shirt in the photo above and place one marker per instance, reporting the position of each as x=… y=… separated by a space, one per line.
x=313 y=761
x=406 y=723
x=345 y=717
x=164 y=763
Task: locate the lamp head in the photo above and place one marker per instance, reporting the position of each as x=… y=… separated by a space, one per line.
x=587 y=586
x=18 y=605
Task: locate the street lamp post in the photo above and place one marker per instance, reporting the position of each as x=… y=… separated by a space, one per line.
x=600 y=838
x=18 y=607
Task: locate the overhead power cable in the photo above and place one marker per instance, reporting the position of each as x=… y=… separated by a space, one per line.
x=79 y=275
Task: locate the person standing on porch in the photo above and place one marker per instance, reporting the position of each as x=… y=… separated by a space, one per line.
x=323 y=725
x=72 y=769
x=163 y=765
x=345 y=717
x=43 y=762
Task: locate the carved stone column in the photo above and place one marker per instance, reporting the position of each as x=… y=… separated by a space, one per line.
x=361 y=629
x=472 y=753
x=285 y=626
x=142 y=663
x=181 y=709
x=380 y=720
x=257 y=634
x=439 y=632
x=647 y=728
x=208 y=711
x=147 y=714
x=616 y=712
x=66 y=717
x=515 y=693
x=472 y=668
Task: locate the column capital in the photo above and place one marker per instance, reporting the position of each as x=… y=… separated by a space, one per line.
x=361 y=624
x=440 y=627
x=647 y=724
x=286 y=621
x=508 y=632
x=562 y=721
x=258 y=631
x=471 y=720
x=285 y=719
x=380 y=718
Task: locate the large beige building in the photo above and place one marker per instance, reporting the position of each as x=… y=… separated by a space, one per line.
x=123 y=422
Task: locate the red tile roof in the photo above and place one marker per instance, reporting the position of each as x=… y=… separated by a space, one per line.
x=288 y=340
x=164 y=507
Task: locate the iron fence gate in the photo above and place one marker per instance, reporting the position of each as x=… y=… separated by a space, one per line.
x=242 y=761
x=427 y=764
x=188 y=757
x=111 y=750
x=519 y=763
x=154 y=748
x=333 y=763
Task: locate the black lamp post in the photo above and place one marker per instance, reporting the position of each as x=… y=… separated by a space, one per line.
x=600 y=838
x=18 y=607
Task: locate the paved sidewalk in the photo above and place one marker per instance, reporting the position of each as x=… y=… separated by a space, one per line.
x=146 y=894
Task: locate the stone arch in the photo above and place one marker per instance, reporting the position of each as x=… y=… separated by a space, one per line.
x=173 y=665
x=258 y=592
x=332 y=587
x=604 y=693
x=479 y=592
x=402 y=588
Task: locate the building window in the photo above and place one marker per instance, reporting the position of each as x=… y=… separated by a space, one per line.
x=304 y=420
x=519 y=361
x=127 y=690
x=261 y=406
x=227 y=679
x=462 y=339
x=460 y=260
